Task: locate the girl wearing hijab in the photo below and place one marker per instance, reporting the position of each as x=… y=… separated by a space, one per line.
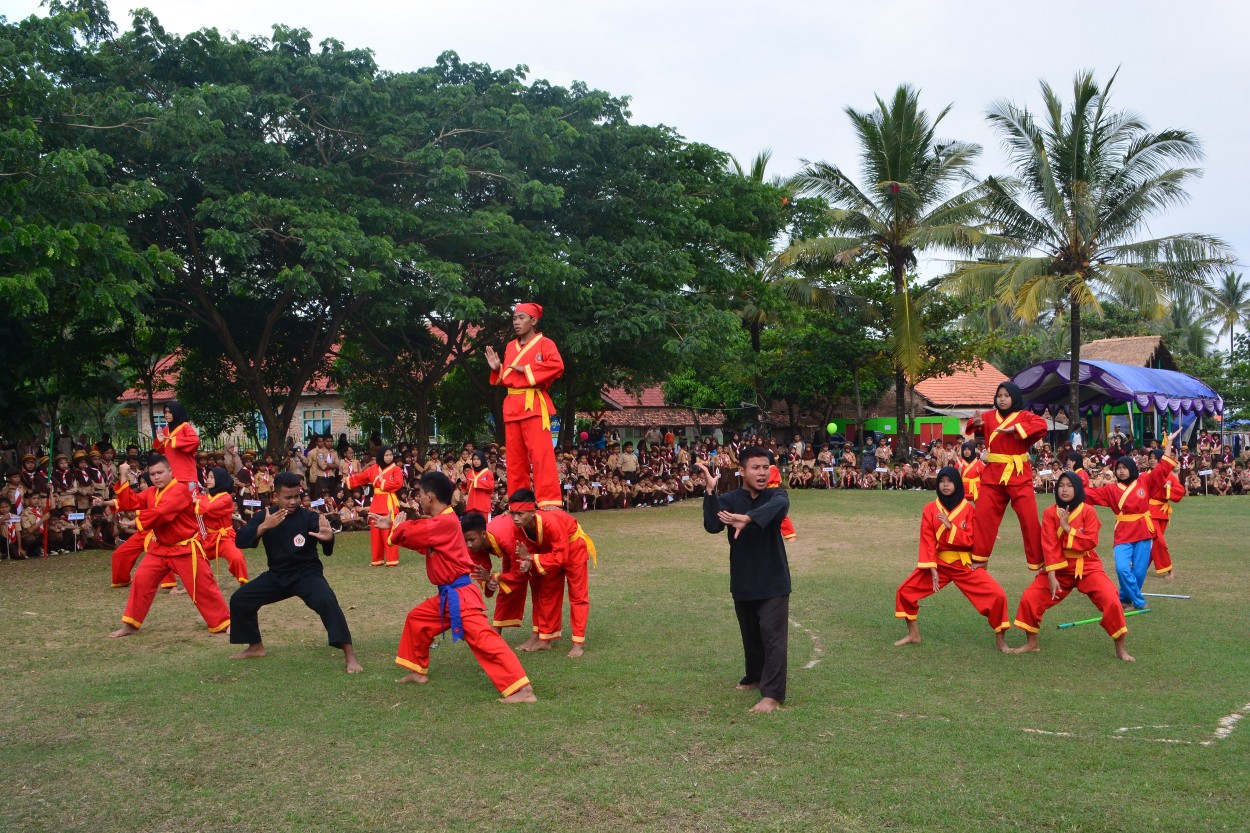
x=970 y=469
x=478 y=485
x=946 y=555
x=216 y=511
x=1069 y=535
x=386 y=478
x=1076 y=464
x=177 y=440
x=1129 y=497
x=1009 y=432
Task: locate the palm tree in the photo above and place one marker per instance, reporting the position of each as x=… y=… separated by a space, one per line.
x=1088 y=180
x=1229 y=304
x=910 y=200
x=1188 y=316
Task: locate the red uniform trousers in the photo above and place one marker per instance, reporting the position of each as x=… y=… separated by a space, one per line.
x=380 y=548
x=223 y=546
x=1159 y=553
x=982 y=589
x=529 y=444
x=510 y=606
x=426 y=621
x=549 y=604
x=992 y=504
x=1093 y=582
x=203 y=589
x=787 y=529
x=125 y=556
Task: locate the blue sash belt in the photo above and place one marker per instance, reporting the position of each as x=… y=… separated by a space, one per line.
x=449 y=605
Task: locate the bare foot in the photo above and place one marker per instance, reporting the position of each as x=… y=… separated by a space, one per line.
x=125 y=630
x=528 y=645
x=766 y=704
x=177 y=591
x=1170 y=574
x=414 y=677
x=354 y=667
x=537 y=645
x=577 y=650
x=747 y=686
x=253 y=651
x=1000 y=642
x=523 y=695
x=1122 y=652
x=910 y=639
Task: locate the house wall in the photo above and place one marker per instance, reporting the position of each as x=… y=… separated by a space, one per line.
x=313 y=409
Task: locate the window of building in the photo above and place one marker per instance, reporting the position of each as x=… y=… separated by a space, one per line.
x=316 y=422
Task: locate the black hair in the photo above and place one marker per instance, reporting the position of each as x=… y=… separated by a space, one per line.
x=1077 y=461
x=437 y=484
x=751 y=452
x=472 y=522
x=155 y=459
x=522 y=496
x=287 y=480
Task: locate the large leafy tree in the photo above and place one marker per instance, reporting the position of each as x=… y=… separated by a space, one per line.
x=1087 y=181
x=910 y=198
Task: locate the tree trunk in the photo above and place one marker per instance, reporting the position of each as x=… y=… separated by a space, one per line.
x=1074 y=368
x=859 y=405
x=422 y=398
x=568 y=414
x=900 y=383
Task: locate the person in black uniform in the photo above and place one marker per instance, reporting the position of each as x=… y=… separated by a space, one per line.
x=290 y=533
x=759 y=574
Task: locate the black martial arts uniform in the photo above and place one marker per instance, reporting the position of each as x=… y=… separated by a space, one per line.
x=759 y=581
x=294 y=570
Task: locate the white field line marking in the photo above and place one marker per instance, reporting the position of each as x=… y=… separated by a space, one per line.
x=818 y=649
x=1044 y=732
x=1227 y=723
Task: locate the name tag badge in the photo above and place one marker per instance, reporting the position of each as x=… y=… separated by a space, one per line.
x=299 y=540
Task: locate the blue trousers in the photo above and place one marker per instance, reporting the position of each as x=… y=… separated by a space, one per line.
x=1132 y=560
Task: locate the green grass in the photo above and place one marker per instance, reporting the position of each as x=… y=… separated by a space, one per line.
x=161 y=732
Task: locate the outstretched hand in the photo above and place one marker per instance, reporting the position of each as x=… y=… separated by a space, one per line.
x=380 y=521
x=324 y=532
x=272 y=519
x=709 y=480
x=492 y=358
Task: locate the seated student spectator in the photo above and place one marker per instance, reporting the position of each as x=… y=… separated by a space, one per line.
x=1241 y=480
x=1193 y=484
x=62 y=533
x=868 y=481
x=848 y=479
x=351 y=518
x=897 y=477
x=1221 y=483
x=11 y=536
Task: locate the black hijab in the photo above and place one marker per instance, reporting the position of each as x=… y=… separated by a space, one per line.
x=1078 y=491
x=1017 y=398
x=965 y=448
x=1077 y=461
x=949 y=502
x=481 y=458
x=1129 y=463
x=222 y=481
x=381 y=461
x=178 y=413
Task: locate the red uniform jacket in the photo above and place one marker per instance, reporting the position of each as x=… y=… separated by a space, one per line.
x=439 y=537
x=558 y=541
x=948 y=545
x=971 y=474
x=538 y=364
x=501 y=534
x=179 y=446
x=1007 y=461
x=1164 y=495
x=1084 y=475
x=166 y=513
x=1061 y=550
x=218 y=514
x=386 y=482
x=1131 y=503
x=478 y=489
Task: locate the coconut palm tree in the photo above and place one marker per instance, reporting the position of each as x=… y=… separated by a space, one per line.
x=909 y=199
x=1088 y=179
x=1229 y=303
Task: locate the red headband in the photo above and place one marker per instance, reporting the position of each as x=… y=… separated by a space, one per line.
x=522 y=506
x=532 y=310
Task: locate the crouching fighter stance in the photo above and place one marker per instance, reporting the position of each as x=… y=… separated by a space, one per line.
x=1069 y=536
x=290 y=533
x=458 y=604
x=499 y=539
x=946 y=555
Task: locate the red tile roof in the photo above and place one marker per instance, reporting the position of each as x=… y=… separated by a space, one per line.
x=649 y=397
x=646 y=409
x=966 y=388
x=167 y=377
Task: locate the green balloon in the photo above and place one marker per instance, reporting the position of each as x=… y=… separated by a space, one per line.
x=832 y=428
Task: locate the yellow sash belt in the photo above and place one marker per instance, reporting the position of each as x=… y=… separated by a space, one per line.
x=197 y=552
x=1164 y=506
x=1079 y=558
x=590 y=545
x=529 y=403
x=951 y=556
x=1011 y=462
x=1141 y=516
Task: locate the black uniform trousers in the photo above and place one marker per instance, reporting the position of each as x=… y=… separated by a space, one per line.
x=267 y=588
x=765 y=626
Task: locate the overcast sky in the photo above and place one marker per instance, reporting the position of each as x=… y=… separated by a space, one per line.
x=747 y=76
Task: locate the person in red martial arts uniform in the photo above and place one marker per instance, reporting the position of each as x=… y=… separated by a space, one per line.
x=217 y=510
x=497 y=539
x=531 y=363
x=788 y=532
x=970 y=469
x=386 y=478
x=947 y=537
x=1076 y=464
x=1008 y=478
x=458 y=605
x=479 y=485
x=560 y=550
x=1069 y=535
x=166 y=510
x=1164 y=495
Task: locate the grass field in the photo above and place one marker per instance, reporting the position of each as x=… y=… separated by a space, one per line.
x=161 y=732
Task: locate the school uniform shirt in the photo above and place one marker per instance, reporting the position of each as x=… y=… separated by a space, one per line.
x=290 y=548
x=758 y=568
